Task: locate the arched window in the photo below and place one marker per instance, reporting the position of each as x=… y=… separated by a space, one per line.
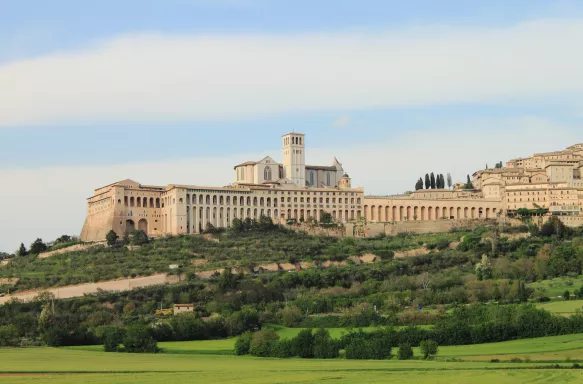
x=267 y=173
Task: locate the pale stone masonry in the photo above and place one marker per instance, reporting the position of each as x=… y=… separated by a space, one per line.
x=294 y=190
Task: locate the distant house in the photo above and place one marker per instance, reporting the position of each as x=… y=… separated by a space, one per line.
x=183 y=308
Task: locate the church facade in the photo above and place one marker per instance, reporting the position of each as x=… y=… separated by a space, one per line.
x=294 y=190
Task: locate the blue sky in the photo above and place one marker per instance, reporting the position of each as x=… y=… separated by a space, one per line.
x=95 y=91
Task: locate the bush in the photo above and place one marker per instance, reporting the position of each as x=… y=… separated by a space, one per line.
x=324 y=346
x=429 y=349
x=303 y=344
x=243 y=343
x=567 y=295
x=111 y=238
x=283 y=349
x=138 y=339
x=263 y=342
x=405 y=351
x=9 y=336
x=112 y=337
x=360 y=348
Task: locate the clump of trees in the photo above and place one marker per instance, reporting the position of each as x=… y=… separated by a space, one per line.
x=306 y=345
x=433 y=182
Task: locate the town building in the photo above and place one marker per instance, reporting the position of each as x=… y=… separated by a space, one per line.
x=294 y=190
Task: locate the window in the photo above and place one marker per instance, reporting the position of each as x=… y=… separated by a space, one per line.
x=312 y=178
x=328 y=179
x=267 y=173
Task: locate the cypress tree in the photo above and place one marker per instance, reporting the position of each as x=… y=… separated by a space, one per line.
x=427 y=181
x=432 y=180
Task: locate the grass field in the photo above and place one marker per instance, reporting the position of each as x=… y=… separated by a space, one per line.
x=49 y=365
x=202 y=362
x=562 y=306
x=556 y=287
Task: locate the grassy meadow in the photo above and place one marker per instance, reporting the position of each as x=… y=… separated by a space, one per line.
x=52 y=365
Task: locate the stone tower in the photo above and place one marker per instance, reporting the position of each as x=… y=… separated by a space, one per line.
x=294 y=158
x=345 y=182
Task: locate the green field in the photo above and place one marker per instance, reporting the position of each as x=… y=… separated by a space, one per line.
x=49 y=365
x=562 y=306
x=557 y=286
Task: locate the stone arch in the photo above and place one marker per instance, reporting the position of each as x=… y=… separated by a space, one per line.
x=372 y=212
x=366 y=215
x=208 y=199
x=132 y=202
x=416 y=213
x=221 y=200
x=465 y=212
x=408 y=213
x=138 y=201
x=423 y=213
x=444 y=213
x=130 y=226
x=214 y=199
x=430 y=213
x=380 y=214
x=143 y=225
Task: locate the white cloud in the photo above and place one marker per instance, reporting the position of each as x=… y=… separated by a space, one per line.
x=342 y=121
x=159 y=78
x=49 y=202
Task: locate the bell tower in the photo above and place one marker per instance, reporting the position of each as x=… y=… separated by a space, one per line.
x=294 y=158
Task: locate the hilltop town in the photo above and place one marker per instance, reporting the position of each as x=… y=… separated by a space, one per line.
x=548 y=184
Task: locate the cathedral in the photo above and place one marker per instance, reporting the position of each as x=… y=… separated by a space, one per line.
x=297 y=191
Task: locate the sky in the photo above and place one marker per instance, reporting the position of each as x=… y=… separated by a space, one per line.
x=178 y=91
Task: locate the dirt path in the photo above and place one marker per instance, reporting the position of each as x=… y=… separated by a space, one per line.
x=82 y=289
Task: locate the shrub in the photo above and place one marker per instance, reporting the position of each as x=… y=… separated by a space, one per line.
x=111 y=238
x=9 y=336
x=567 y=295
x=303 y=344
x=283 y=349
x=324 y=346
x=138 y=339
x=243 y=343
x=405 y=351
x=429 y=349
x=112 y=338
x=263 y=342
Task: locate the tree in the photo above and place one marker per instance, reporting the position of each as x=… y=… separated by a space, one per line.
x=139 y=237
x=22 y=250
x=113 y=337
x=111 y=238
x=263 y=342
x=126 y=237
x=326 y=218
x=9 y=336
x=138 y=339
x=303 y=344
x=427 y=181
x=469 y=184
x=324 y=346
x=37 y=247
x=243 y=343
x=419 y=184
x=449 y=181
x=237 y=225
x=567 y=295
x=265 y=223
x=432 y=180
x=428 y=348
x=484 y=269
x=405 y=351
